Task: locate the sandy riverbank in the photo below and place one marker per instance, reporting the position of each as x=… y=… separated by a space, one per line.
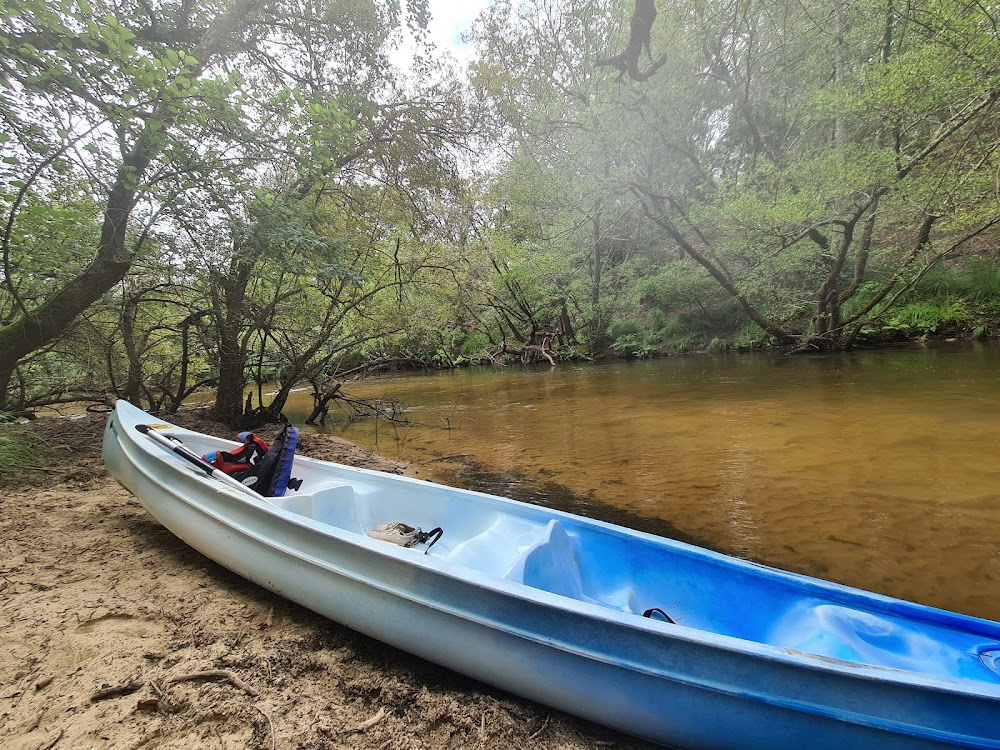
x=117 y=635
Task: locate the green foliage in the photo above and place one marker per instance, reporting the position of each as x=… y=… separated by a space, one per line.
x=804 y=163
x=940 y=284
x=924 y=317
x=953 y=301
x=622 y=328
x=474 y=345
x=633 y=345
x=276 y=151
x=983 y=284
x=978 y=282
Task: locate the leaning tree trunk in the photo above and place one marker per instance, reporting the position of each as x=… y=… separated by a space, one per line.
x=655 y=208
x=53 y=317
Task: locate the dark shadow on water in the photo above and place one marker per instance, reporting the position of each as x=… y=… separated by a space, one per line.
x=539 y=491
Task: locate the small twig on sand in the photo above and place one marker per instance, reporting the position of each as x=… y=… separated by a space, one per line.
x=367 y=724
x=154 y=735
x=540 y=729
x=55 y=739
x=270 y=725
x=126 y=688
x=216 y=674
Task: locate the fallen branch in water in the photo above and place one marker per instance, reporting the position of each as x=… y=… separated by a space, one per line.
x=357 y=408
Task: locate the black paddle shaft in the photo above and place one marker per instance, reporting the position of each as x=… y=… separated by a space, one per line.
x=177 y=448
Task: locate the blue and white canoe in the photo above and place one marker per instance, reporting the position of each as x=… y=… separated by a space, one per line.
x=549 y=605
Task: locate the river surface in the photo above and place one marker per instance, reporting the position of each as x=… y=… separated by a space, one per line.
x=875 y=469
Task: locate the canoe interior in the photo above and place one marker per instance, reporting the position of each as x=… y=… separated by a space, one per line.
x=629 y=572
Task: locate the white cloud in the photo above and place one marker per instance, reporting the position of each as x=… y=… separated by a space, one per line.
x=449 y=20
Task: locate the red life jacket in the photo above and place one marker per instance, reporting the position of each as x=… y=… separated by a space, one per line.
x=267 y=470
x=242 y=459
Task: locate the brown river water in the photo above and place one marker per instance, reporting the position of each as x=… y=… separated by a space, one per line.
x=875 y=469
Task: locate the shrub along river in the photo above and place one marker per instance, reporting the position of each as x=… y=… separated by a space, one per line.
x=876 y=469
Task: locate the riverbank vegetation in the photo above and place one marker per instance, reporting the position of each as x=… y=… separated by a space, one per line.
x=235 y=192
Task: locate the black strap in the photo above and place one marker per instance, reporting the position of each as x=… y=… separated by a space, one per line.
x=422 y=536
x=649 y=613
x=437 y=533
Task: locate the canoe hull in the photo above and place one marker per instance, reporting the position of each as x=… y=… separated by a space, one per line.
x=678 y=690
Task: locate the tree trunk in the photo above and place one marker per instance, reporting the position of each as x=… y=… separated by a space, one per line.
x=322 y=398
x=228 y=301
x=232 y=372
x=133 y=383
x=272 y=412
x=597 y=323
x=567 y=334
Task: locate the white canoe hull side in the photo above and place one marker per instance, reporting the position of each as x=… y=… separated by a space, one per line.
x=679 y=688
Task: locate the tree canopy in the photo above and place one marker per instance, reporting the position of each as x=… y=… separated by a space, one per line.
x=237 y=192
x=814 y=161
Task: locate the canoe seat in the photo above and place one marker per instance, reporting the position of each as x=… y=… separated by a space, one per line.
x=855 y=635
x=494 y=549
x=334 y=505
x=550 y=564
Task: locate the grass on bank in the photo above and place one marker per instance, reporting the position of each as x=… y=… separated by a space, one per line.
x=18 y=453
